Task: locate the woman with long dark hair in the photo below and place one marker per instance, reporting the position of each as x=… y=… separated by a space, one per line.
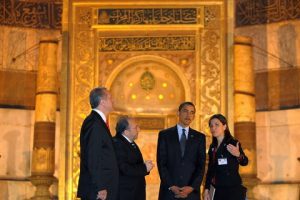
x=223 y=181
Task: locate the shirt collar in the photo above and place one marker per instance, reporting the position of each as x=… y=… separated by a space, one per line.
x=179 y=128
x=127 y=138
x=101 y=114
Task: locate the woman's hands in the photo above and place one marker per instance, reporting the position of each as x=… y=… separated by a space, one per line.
x=234 y=150
x=206 y=194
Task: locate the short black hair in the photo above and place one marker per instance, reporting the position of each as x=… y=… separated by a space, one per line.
x=96 y=95
x=185 y=104
x=122 y=124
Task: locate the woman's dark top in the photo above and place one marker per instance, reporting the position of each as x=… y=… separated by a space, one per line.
x=223 y=167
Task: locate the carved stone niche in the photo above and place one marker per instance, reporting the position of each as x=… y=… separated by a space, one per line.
x=144 y=83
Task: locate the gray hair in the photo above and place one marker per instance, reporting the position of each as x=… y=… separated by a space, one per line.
x=122 y=124
x=96 y=95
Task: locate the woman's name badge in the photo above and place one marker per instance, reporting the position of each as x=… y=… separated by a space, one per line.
x=222 y=161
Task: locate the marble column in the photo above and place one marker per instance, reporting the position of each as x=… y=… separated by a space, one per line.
x=244 y=108
x=43 y=162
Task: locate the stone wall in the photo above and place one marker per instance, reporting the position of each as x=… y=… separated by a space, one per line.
x=19 y=50
x=277 y=68
x=278 y=150
x=16 y=141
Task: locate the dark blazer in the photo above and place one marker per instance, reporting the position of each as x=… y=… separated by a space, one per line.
x=224 y=175
x=180 y=171
x=98 y=163
x=132 y=170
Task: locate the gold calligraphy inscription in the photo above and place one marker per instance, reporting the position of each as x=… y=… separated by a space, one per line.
x=250 y=12
x=175 y=43
x=31 y=14
x=148 y=16
x=151 y=123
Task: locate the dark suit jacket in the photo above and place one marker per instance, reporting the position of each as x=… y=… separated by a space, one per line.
x=225 y=175
x=132 y=170
x=178 y=171
x=98 y=163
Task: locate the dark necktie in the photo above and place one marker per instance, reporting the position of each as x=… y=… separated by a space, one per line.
x=182 y=142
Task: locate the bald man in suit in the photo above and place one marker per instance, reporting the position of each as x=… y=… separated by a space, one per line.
x=132 y=167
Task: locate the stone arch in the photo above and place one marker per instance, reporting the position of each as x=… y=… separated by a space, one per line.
x=169 y=89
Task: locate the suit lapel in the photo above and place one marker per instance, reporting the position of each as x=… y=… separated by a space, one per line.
x=190 y=141
x=138 y=151
x=135 y=149
x=124 y=140
x=175 y=141
x=101 y=121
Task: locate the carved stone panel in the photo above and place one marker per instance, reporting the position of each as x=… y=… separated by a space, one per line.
x=249 y=12
x=147 y=16
x=31 y=13
x=110 y=46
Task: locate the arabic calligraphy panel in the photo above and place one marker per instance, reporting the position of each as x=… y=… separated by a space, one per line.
x=147 y=16
x=250 y=12
x=31 y=14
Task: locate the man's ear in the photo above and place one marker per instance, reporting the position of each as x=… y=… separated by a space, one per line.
x=125 y=132
x=100 y=102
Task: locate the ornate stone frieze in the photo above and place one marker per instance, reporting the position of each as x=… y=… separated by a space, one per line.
x=31 y=14
x=84 y=75
x=210 y=76
x=210 y=66
x=148 y=16
x=172 y=43
x=84 y=16
x=197 y=54
x=212 y=16
x=249 y=12
x=43 y=161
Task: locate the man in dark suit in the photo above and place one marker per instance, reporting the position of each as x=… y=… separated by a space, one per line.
x=99 y=172
x=132 y=168
x=181 y=158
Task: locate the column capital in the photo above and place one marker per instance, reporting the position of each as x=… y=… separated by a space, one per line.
x=48 y=40
x=242 y=40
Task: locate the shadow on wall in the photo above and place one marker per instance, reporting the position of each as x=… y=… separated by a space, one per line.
x=287 y=44
x=12 y=141
x=288 y=90
x=280 y=165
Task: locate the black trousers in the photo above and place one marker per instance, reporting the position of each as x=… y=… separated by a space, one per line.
x=231 y=193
